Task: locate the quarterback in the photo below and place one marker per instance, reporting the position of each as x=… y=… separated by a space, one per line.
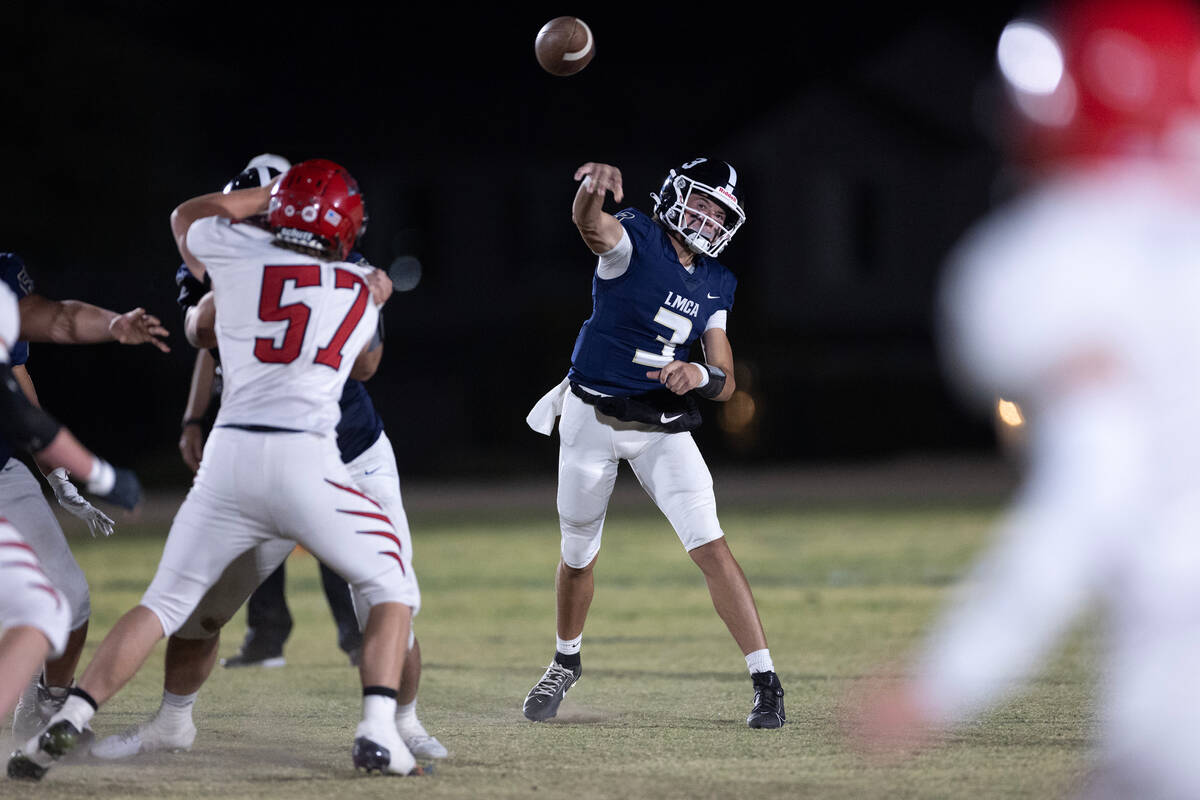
x=630 y=395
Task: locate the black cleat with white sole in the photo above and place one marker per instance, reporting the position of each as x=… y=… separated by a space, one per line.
x=768 y=702
x=371 y=756
x=544 y=698
x=53 y=743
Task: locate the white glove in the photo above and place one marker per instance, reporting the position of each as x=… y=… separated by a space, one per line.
x=70 y=499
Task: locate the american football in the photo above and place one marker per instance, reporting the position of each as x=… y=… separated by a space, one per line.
x=564 y=46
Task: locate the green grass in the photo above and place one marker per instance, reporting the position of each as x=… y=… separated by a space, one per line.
x=660 y=711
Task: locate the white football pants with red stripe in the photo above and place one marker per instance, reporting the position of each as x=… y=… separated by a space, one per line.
x=27 y=596
x=256 y=488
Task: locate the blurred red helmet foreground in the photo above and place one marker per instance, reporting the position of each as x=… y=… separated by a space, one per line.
x=1100 y=78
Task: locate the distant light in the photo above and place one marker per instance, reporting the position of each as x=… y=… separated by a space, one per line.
x=738 y=412
x=1030 y=58
x=1009 y=413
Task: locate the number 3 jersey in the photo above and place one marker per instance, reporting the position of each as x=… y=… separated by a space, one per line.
x=289 y=326
x=648 y=315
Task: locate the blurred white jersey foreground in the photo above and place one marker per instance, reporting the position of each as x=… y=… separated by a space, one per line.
x=1082 y=301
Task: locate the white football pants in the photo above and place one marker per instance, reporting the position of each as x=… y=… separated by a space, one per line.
x=254 y=489
x=27 y=596
x=23 y=504
x=668 y=466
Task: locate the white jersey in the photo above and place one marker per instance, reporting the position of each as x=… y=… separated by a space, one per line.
x=10 y=321
x=1081 y=301
x=289 y=326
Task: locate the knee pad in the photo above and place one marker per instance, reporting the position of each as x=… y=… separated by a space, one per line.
x=580 y=543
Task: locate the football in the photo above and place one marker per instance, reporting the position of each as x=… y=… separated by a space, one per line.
x=564 y=46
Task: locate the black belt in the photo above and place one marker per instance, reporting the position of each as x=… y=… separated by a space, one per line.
x=261 y=428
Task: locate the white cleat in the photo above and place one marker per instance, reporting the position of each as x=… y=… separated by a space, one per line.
x=419 y=742
x=148 y=737
x=381 y=748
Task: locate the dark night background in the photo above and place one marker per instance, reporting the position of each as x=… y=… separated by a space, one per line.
x=858 y=133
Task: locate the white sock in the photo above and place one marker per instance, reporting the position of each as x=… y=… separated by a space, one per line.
x=406 y=713
x=77 y=710
x=568 y=647
x=760 y=661
x=177 y=708
x=379 y=710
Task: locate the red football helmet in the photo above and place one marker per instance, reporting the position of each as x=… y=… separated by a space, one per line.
x=1104 y=78
x=317 y=205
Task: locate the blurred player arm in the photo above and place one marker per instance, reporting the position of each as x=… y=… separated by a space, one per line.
x=238 y=204
x=30 y=428
x=601 y=231
x=59 y=479
x=75 y=322
x=368 y=360
x=191 y=436
x=200 y=323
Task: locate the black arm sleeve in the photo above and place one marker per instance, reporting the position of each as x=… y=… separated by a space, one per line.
x=21 y=422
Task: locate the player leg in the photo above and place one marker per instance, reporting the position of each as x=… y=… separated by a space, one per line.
x=375 y=473
x=587 y=472
x=33 y=615
x=674 y=474
x=213 y=526
x=26 y=508
x=268 y=624
x=192 y=654
x=337 y=594
x=352 y=533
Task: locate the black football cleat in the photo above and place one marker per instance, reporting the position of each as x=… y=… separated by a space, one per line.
x=544 y=698
x=382 y=750
x=768 y=702
x=53 y=743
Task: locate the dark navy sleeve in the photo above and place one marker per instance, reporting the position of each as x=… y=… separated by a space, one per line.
x=14 y=273
x=190 y=288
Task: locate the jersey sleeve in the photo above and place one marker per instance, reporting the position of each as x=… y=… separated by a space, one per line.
x=10 y=321
x=614 y=263
x=214 y=242
x=16 y=278
x=190 y=288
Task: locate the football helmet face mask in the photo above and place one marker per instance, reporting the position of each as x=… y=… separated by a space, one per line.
x=317 y=206
x=677 y=201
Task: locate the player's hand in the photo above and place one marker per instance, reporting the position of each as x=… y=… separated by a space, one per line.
x=380 y=285
x=678 y=376
x=74 y=504
x=601 y=178
x=191 y=446
x=138 y=327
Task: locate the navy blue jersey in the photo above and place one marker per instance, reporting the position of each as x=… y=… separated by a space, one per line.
x=359 y=426
x=13 y=273
x=648 y=316
x=191 y=289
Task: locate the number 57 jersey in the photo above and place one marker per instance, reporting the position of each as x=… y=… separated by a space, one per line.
x=289 y=326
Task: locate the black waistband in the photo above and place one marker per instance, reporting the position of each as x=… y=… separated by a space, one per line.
x=261 y=428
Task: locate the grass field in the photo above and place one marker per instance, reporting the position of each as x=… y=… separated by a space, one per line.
x=660 y=711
